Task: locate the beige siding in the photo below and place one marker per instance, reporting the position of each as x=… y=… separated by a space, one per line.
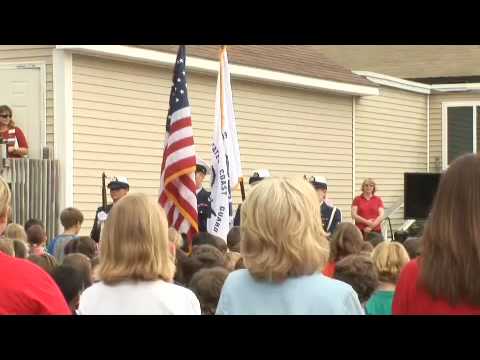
x=391 y=138
x=436 y=123
x=25 y=53
x=119 y=116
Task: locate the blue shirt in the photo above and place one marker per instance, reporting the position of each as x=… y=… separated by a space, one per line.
x=57 y=245
x=306 y=295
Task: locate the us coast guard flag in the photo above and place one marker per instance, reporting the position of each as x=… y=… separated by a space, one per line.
x=226 y=167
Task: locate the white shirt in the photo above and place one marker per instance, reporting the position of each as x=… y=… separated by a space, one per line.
x=138 y=298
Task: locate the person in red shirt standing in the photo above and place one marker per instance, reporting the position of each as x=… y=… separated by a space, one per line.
x=25 y=289
x=444 y=279
x=368 y=209
x=17 y=146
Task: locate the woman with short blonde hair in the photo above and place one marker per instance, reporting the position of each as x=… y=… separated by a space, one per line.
x=389 y=259
x=369 y=182
x=136 y=268
x=368 y=208
x=288 y=240
x=284 y=249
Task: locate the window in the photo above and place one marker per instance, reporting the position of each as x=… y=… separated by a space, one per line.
x=461 y=130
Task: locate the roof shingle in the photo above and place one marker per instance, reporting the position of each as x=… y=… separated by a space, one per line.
x=302 y=60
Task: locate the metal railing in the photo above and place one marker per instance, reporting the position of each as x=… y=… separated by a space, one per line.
x=35 y=187
x=386 y=221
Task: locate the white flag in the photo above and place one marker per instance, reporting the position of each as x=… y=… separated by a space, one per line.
x=231 y=141
x=226 y=166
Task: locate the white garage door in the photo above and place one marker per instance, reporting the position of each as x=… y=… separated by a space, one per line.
x=21 y=89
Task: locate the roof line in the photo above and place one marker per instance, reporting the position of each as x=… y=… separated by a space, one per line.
x=456 y=87
x=395 y=82
x=211 y=66
x=418 y=87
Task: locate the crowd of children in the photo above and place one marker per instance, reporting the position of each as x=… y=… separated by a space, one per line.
x=279 y=261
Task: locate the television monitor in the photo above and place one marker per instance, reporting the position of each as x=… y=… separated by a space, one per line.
x=419 y=192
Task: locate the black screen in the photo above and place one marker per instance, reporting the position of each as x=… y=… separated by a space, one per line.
x=419 y=192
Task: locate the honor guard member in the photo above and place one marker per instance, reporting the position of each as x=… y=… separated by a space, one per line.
x=204 y=205
x=254 y=179
x=331 y=216
x=119 y=187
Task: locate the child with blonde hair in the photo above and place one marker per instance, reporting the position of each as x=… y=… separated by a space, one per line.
x=136 y=266
x=16 y=231
x=6 y=246
x=389 y=259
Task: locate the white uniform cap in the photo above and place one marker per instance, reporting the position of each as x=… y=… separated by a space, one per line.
x=118 y=182
x=319 y=179
x=263 y=173
x=203 y=164
x=258 y=175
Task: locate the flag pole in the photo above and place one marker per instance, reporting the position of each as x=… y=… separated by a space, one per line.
x=222 y=95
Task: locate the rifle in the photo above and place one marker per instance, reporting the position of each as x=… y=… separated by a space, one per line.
x=242 y=189
x=104 y=193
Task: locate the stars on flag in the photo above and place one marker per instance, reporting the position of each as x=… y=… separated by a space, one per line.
x=179 y=98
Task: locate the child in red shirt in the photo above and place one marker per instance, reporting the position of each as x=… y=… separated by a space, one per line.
x=25 y=289
x=28 y=290
x=411 y=298
x=444 y=279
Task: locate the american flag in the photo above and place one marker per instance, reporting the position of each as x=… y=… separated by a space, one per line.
x=177 y=184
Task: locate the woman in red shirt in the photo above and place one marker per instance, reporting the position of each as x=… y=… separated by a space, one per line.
x=368 y=209
x=17 y=146
x=444 y=279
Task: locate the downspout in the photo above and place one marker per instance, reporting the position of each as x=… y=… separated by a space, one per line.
x=428 y=133
x=353 y=146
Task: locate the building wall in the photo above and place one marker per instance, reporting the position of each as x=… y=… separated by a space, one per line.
x=25 y=53
x=119 y=113
x=436 y=123
x=391 y=138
